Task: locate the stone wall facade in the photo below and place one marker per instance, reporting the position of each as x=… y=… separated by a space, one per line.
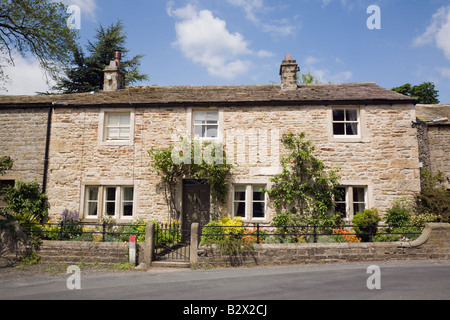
x=23 y=134
x=383 y=159
x=433 y=244
x=439 y=151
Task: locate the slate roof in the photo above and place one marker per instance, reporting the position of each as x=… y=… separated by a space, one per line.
x=306 y=94
x=429 y=112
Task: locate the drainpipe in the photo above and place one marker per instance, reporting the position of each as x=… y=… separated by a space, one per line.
x=47 y=149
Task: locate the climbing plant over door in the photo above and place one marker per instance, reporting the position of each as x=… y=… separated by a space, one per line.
x=193 y=160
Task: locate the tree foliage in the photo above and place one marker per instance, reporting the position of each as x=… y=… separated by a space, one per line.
x=425 y=93
x=36 y=27
x=86 y=71
x=304 y=187
x=434 y=198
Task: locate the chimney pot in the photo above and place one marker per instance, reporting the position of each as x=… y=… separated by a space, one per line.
x=288 y=57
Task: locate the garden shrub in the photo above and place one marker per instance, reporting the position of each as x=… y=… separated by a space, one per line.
x=365 y=224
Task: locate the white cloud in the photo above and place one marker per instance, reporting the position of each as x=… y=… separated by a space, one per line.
x=265 y=54
x=438 y=33
x=444 y=71
x=324 y=75
x=253 y=8
x=25 y=77
x=206 y=40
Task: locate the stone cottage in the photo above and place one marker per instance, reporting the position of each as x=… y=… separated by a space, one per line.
x=90 y=151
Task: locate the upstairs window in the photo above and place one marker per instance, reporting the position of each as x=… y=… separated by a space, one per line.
x=118 y=126
x=346 y=122
x=206 y=124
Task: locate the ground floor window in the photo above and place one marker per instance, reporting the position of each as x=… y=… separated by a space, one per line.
x=350 y=200
x=249 y=202
x=109 y=201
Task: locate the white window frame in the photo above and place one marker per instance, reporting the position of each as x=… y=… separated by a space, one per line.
x=362 y=135
x=345 y=122
x=88 y=201
x=349 y=201
x=103 y=126
x=190 y=116
x=102 y=201
x=205 y=124
x=248 y=216
x=118 y=202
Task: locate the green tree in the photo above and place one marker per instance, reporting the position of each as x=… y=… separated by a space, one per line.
x=304 y=187
x=36 y=27
x=424 y=93
x=86 y=71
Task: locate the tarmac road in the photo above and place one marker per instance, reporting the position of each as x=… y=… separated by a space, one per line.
x=349 y=281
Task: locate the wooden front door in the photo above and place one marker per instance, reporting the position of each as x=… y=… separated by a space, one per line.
x=196 y=203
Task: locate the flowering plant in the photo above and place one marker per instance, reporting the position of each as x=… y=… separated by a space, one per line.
x=342 y=235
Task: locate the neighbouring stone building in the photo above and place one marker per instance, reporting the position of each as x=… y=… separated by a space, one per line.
x=98 y=162
x=433 y=123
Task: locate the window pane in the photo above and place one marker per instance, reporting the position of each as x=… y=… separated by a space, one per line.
x=113 y=119
x=341 y=209
x=358 y=195
x=111 y=194
x=112 y=133
x=258 y=209
x=211 y=131
x=110 y=208
x=338 y=128
x=92 y=208
x=358 y=207
x=93 y=193
x=339 y=194
x=199 y=116
x=351 y=115
x=257 y=194
x=212 y=116
x=352 y=129
x=239 y=193
x=198 y=131
x=239 y=209
x=128 y=194
x=124 y=133
x=124 y=119
x=128 y=209
x=338 y=115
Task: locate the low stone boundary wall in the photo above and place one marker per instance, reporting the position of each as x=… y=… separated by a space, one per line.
x=433 y=244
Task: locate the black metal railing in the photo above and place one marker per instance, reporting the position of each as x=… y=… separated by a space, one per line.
x=258 y=233
x=78 y=231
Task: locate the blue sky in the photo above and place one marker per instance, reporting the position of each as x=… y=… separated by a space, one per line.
x=210 y=42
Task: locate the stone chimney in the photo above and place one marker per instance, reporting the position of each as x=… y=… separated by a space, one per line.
x=288 y=73
x=114 y=78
